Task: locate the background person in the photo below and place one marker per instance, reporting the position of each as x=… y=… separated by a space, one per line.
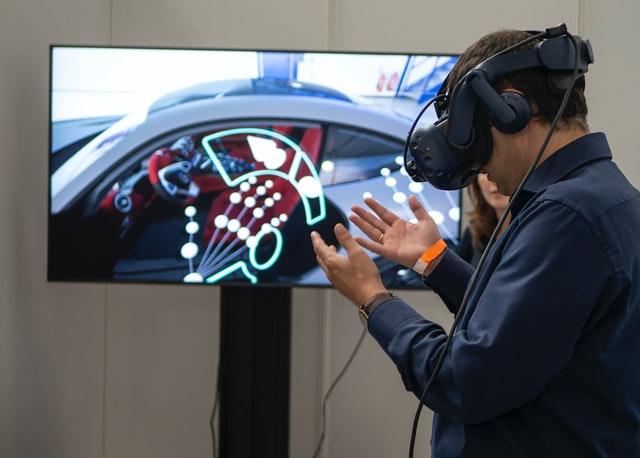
x=488 y=207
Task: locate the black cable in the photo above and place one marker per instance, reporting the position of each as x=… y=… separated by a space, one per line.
x=534 y=36
x=214 y=409
x=415 y=123
x=491 y=242
x=318 y=448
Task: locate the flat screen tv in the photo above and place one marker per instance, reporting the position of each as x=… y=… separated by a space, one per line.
x=213 y=166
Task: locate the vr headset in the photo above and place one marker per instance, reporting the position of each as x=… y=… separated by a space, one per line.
x=450 y=152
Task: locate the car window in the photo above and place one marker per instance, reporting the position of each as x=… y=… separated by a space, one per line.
x=352 y=154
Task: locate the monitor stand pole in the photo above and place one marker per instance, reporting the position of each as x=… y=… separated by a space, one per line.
x=255 y=348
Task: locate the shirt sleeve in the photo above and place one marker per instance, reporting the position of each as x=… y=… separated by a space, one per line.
x=523 y=327
x=449 y=279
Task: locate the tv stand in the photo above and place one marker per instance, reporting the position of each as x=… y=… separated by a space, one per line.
x=255 y=353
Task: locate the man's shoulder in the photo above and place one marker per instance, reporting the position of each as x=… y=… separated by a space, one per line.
x=602 y=196
x=595 y=190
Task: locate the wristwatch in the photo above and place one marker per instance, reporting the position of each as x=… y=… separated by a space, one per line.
x=366 y=309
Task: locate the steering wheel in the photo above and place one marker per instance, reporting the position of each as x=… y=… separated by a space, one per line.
x=173 y=182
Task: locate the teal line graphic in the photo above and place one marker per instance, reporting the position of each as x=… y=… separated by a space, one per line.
x=312 y=216
x=276 y=253
x=300 y=156
x=232 y=268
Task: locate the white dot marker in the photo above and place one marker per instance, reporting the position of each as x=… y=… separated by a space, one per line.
x=399 y=160
x=235 y=198
x=310 y=187
x=233 y=225
x=399 y=197
x=266 y=150
x=261 y=191
x=251 y=241
x=275 y=222
x=391 y=182
x=258 y=213
x=277 y=196
x=415 y=187
x=327 y=166
x=244 y=187
x=384 y=171
x=269 y=202
x=244 y=233
x=250 y=202
x=193 y=277
x=266 y=227
x=189 y=250
x=454 y=213
x=268 y=184
x=438 y=217
x=190 y=211
x=192 y=227
x=367 y=195
x=284 y=217
x=253 y=180
x=221 y=221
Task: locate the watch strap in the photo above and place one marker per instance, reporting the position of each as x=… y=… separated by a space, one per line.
x=366 y=309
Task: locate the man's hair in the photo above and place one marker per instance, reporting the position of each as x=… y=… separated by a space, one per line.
x=533 y=82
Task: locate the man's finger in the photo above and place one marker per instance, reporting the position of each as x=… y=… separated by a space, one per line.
x=368 y=229
x=418 y=209
x=322 y=265
x=374 y=247
x=383 y=212
x=319 y=246
x=373 y=220
x=345 y=239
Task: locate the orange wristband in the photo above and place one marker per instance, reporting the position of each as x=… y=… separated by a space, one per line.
x=429 y=255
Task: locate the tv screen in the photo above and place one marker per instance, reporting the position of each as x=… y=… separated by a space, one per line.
x=213 y=166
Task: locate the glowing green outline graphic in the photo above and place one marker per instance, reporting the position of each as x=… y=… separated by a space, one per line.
x=299 y=157
x=276 y=253
x=290 y=177
x=232 y=268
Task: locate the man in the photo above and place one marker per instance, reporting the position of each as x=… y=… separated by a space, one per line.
x=546 y=360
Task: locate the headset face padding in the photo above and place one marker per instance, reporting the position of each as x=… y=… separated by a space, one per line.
x=522 y=109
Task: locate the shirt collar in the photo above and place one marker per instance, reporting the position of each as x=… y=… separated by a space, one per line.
x=588 y=148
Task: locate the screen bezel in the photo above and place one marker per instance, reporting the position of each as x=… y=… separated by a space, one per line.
x=112 y=281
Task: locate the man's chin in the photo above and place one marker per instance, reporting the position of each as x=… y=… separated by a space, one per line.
x=505 y=192
x=502 y=189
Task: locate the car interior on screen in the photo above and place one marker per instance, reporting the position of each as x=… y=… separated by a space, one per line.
x=223 y=181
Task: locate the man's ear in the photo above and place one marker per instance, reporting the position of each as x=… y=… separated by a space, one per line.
x=519 y=105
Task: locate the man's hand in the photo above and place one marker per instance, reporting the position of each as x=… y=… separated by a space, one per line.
x=393 y=237
x=355 y=276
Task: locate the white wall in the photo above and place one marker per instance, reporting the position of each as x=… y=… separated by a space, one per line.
x=128 y=371
x=613 y=100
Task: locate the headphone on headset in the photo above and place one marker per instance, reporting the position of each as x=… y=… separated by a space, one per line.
x=450 y=152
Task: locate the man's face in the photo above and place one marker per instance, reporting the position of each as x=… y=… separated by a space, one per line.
x=507 y=165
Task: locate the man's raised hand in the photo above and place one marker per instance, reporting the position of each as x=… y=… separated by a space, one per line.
x=354 y=276
x=391 y=236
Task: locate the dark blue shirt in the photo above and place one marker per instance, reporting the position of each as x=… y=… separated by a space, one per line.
x=546 y=361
